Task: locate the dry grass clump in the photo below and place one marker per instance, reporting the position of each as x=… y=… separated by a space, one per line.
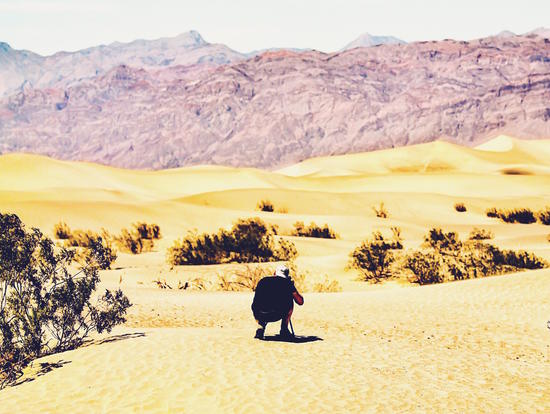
x=460 y=207
x=480 y=234
x=327 y=286
x=139 y=239
x=381 y=211
x=374 y=256
x=265 y=205
x=313 y=230
x=517 y=215
x=249 y=241
x=61 y=231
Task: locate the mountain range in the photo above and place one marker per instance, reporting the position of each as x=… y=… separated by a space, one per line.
x=180 y=101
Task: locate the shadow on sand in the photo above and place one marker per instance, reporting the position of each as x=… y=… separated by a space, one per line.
x=298 y=339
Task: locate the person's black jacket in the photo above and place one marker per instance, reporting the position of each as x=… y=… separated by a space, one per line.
x=273 y=295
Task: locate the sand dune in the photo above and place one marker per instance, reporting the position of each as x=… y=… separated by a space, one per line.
x=473 y=346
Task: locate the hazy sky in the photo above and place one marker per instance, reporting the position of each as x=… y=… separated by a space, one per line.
x=46 y=26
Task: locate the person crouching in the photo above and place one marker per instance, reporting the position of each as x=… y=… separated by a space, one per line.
x=274 y=300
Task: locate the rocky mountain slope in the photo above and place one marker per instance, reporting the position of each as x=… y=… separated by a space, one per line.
x=21 y=68
x=281 y=107
x=368 y=40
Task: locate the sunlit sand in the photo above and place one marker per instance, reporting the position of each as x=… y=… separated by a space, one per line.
x=474 y=346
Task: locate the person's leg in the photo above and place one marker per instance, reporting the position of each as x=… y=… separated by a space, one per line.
x=260 y=330
x=284 y=322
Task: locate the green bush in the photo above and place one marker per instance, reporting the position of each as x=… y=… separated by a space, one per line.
x=248 y=241
x=44 y=308
x=313 y=230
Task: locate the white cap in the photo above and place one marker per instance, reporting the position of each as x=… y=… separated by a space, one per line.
x=282 y=271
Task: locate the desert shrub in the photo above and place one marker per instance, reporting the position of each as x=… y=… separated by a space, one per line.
x=282 y=210
x=313 y=230
x=460 y=207
x=439 y=240
x=265 y=205
x=61 y=231
x=249 y=240
x=480 y=234
x=327 y=286
x=381 y=211
x=518 y=215
x=139 y=239
x=44 y=308
x=373 y=258
x=451 y=259
x=87 y=240
x=544 y=216
x=425 y=267
x=243 y=279
x=147 y=231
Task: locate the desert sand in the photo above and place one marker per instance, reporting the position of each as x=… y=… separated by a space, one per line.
x=473 y=346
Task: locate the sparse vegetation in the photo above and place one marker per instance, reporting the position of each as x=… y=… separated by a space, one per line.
x=544 y=216
x=518 y=215
x=265 y=205
x=139 y=239
x=381 y=211
x=87 y=240
x=460 y=207
x=313 y=230
x=248 y=241
x=480 y=234
x=61 y=231
x=44 y=308
x=374 y=256
x=447 y=258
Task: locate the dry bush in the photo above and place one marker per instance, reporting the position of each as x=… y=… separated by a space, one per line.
x=425 y=268
x=139 y=239
x=460 y=207
x=374 y=256
x=265 y=205
x=544 y=216
x=61 y=231
x=327 y=286
x=491 y=212
x=248 y=241
x=517 y=215
x=313 y=230
x=84 y=240
x=480 y=234
x=282 y=210
x=381 y=212
x=447 y=258
x=244 y=279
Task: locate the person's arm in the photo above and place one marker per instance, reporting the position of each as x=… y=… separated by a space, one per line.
x=299 y=299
